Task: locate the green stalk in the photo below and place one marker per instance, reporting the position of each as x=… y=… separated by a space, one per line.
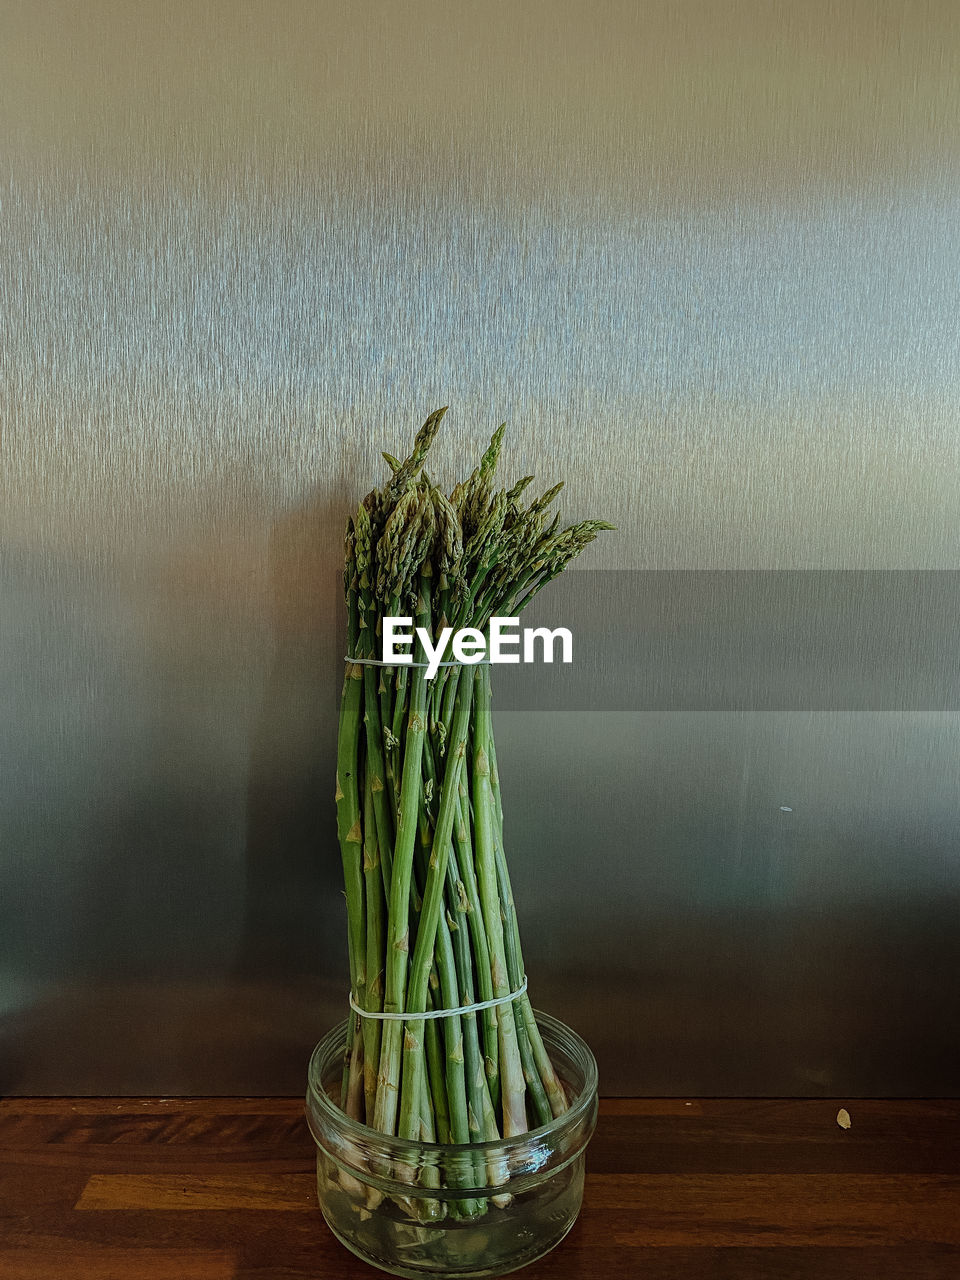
x=385 y=683
x=349 y=830
x=455 y=1077
x=368 y=629
x=556 y=1096
x=433 y=1109
x=438 y=1086
x=376 y=768
x=428 y=1210
x=347 y=1054
x=435 y=1073
x=429 y=921
x=399 y=721
x=465 y=923
x=349 y=827
x=354 y=1105
x=374 y=957
x=434 y=939
x=350 y=596
x=398 y=939
x=481 y=950
x=449 y=1092
x=479 y=1106
x=511 y=938
x=385 y=692
x=484 y=809
x=473 y=1060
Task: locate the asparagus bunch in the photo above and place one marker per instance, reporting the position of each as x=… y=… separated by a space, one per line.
x=430 y=912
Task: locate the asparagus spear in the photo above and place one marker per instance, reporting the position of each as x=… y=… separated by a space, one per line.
x=398 y=937
x=432 y=922
x=348 y=816
x=514 y=1088
x=373 y=991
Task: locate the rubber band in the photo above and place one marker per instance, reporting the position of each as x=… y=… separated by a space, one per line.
x=440 y=1013
x=375 y=662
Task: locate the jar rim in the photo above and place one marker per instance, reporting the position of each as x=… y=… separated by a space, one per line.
x=581 y=1105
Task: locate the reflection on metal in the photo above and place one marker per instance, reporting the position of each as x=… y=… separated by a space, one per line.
x=704 y=266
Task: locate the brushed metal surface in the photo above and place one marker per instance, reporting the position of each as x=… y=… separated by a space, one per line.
x=702 y=258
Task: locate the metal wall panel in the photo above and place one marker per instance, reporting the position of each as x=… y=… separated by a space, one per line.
x=702 y=258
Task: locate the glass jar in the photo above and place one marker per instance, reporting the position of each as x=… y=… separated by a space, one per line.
x=418 y=1208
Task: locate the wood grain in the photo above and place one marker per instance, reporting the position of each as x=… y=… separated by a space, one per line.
x=724 y=1189
x=105 y=1263
x=282 y=1191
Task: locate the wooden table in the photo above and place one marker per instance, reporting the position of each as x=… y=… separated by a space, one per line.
x=677 y=1189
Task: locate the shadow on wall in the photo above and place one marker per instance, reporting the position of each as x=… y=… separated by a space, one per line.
x=294 y=920
x=786 y=1012
x=179 y=923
